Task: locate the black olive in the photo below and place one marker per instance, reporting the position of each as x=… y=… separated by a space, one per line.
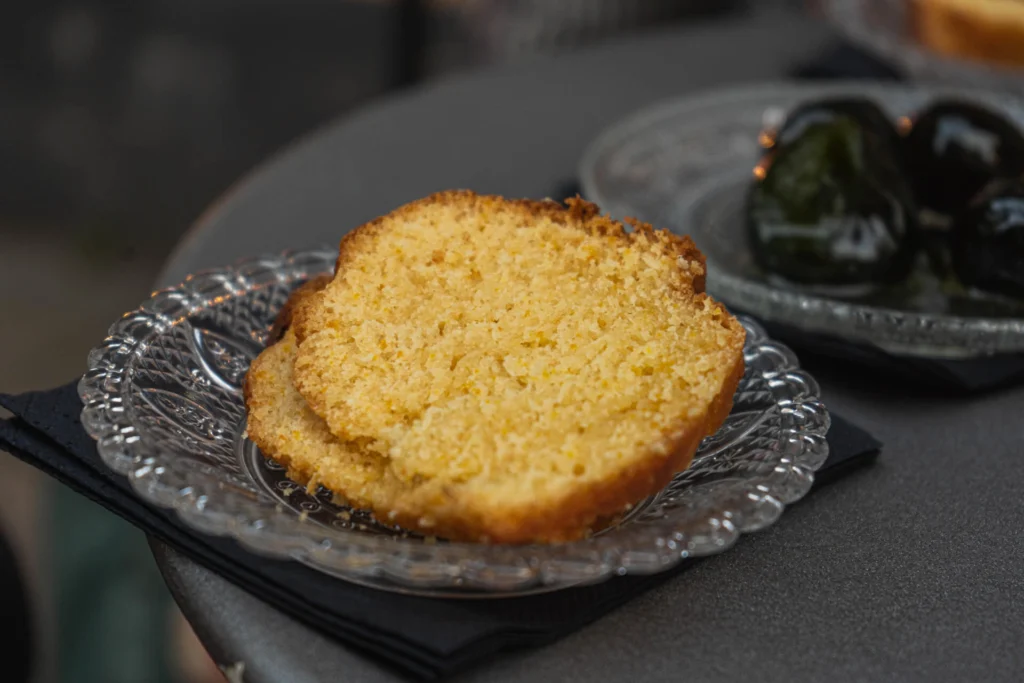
x=954 y=149
x=863 y=111
x=832 y=206
x=988 y=239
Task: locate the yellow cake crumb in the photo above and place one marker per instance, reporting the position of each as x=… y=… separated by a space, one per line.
x=503 y=371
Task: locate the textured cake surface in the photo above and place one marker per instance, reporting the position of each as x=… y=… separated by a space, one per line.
x=505 y=371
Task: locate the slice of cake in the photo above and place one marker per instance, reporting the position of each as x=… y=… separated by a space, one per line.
x=520 y=368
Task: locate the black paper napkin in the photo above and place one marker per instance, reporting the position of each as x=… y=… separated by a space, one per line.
x=425 y=638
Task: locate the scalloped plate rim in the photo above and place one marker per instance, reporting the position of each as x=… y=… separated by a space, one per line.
x=145 y=482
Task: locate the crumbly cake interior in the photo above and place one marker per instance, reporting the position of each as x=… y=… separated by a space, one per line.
x=513 y=354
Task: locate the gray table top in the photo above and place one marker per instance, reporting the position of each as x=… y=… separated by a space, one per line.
x=910 y=570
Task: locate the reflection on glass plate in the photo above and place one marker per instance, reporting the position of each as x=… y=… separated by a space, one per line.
x=163 y=399
x=687 y=165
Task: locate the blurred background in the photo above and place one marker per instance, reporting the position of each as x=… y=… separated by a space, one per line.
x=120 y=120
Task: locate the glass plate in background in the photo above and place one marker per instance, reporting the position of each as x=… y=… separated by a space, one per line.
x=687 y=165
x=163 y=399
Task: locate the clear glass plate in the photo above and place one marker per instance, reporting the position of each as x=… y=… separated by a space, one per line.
x=886 y=28
x=163 y=399
x=686 y=165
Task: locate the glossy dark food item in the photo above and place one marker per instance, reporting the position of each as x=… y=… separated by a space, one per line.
x=832 y=207
x=987 y=241
x=954 y=149
x=863 y=111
